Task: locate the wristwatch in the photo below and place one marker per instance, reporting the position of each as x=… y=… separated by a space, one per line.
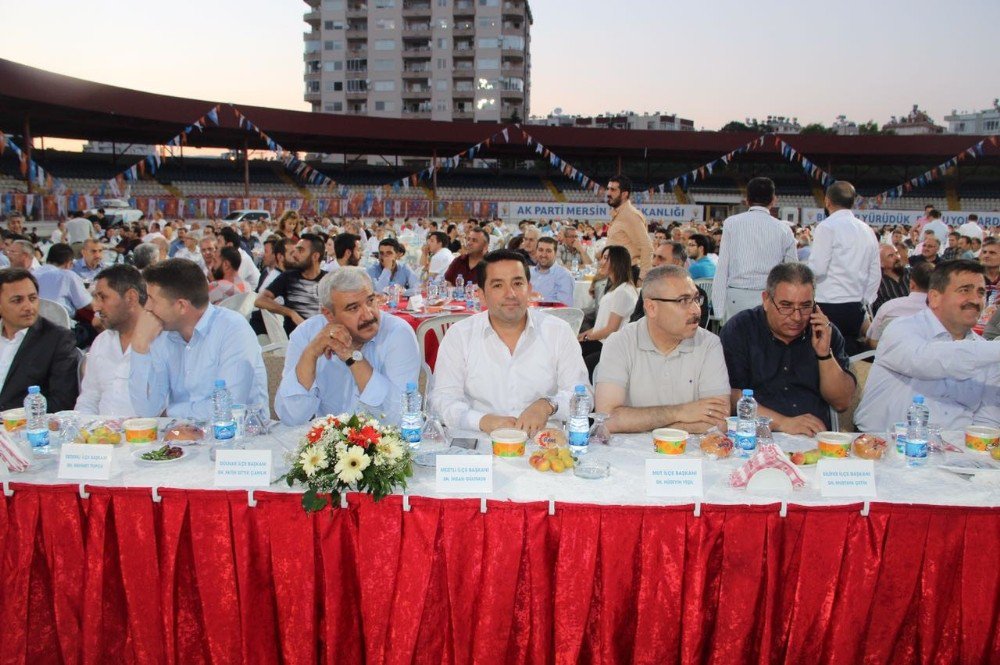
x=355 y=357
x=554 y=405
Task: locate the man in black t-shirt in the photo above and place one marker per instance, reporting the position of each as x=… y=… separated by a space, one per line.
x=298 y=285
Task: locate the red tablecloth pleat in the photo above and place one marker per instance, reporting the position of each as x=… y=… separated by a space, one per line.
x=201 y=577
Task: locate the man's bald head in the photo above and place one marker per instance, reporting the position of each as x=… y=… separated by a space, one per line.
x=840 y=195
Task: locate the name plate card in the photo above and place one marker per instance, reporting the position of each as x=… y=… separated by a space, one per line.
x=242 y=468
x=464 y=474
x=85 y=461
x=846 y=477
x=675 y=478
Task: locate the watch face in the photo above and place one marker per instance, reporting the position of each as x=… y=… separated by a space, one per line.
x=357 y=356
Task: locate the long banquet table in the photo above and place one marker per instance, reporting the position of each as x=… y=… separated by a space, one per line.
x=557 y=569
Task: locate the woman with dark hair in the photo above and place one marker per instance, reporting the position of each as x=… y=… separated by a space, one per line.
x=389 y=269
x=615 y=307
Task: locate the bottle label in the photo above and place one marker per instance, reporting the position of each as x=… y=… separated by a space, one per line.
x=579 y=439
x=410 y=434
x=900 y=444
x=916 y=449
x=224 y=431
x=745 y=442
x=38 y=438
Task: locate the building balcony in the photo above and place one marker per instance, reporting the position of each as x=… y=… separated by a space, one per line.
x=312 y=96
x=357 y=10
x=418 y=95
x=416 y=74
x=357 y=52
x=418 y=114
x=462 y=114
x=512 y=53
x=356 y=95
x=422 y=32
x=412 y=9
x=465 y=8
x=312 y=18
x=464 y=29
x=417 y=52
x=513 y=9
x=356 y=30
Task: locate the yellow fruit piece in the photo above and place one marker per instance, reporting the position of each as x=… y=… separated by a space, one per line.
x=558 y=466
x=544 y=465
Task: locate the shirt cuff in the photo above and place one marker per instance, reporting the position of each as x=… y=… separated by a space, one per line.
x=377 y=390
x=471 y=419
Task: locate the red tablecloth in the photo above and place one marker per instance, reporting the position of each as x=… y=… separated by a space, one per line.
x=202 y=577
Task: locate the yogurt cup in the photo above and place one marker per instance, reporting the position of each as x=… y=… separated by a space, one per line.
x=834 y=444
x=14 y=419
x=668 y=441
x=508 y=442
x=980 y=438
x=140 y=430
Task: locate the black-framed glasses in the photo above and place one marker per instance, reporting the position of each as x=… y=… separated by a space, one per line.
x=788 y=310
x=683 y=301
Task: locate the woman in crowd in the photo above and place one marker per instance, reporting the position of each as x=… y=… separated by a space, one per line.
x=288 y=225
x=615 y=307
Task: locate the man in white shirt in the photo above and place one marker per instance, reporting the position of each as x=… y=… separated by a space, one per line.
x=935 y=226
x=753 y=242
x=209 y=250
x=663 y=370
x=119 y=296
x=908 y=305
x=936 y=354
x=507 y=366
x=845 y=261
x=971 y=228
x=437 y=256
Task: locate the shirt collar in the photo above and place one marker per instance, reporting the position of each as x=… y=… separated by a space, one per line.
x=531 y=325
x=17 y=336
x=760 y=209
x=200 y=329
x=645 y=341
x=937 y=328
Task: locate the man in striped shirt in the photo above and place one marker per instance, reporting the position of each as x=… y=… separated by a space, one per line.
x=753 y=242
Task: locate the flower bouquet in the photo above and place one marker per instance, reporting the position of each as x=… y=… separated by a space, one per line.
x=349 y=452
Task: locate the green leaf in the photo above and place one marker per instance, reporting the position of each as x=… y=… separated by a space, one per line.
x=312 y=502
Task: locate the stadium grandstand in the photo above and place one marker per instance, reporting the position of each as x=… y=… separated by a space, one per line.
x=38 y=103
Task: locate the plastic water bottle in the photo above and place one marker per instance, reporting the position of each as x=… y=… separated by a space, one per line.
x=459 y=288
x=37 y=428
x=578 y=426
x=411 y=423
x=223 y=424
x=393 y=294
x=470 y=297
x=576 y=266
x=746 y=424
x=917 y=418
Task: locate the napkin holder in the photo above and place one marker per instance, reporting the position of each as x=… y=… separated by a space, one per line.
x=770 y=482
x=416 y=303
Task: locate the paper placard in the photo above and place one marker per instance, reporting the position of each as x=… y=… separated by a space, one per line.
x=242 y=468
x=674 y=477
x=846 y=477
x=85 y=461
x=464 y=474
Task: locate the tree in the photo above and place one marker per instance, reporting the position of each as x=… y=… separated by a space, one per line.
x=736 y=126
x=869 y=128
x=515 y=118
x=816 y=128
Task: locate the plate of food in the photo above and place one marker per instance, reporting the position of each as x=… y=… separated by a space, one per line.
x=804 y=457
x=184 y=432
x=157 y=455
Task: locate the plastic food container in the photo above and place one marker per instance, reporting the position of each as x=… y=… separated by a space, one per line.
x=981 y=439
x=14 y=419
x=140 y=430
x=668 y=441
x=834 y=444
x=508 y=442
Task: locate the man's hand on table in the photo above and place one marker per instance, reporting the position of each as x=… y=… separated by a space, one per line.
x=534 y=417
x=147 y=329
x=807 y=424
x=710 y=411
x=491 y=421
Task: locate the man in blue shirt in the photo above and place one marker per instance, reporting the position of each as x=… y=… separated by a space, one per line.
x=548 y=278
x=698 y=248
x=182 y=345
x=349 y=358
x=91 y=261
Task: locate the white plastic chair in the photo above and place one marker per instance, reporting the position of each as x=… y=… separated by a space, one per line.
x=571 y=315
x=274 y=324
x=714 y=318
x=240 y=302
x=438 y=325
x=54 y=312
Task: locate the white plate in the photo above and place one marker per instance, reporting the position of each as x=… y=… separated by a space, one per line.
x=187 y=453
x=973 y=467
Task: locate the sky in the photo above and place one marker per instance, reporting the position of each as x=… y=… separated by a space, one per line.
x=710 y=61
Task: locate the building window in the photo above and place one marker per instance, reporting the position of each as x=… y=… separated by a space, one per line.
x=512 y=41
x=336 y=107
x=333 y=25
x=384 y=106
x=333 y=4
x=487 y=21
x=442 y=3
x=357 y=65
x=488 y=63
x=489 y=3
x=333 y=86
x=384 y=86
x=489 y=42
x=357 y=85
x=385 y=44
x=335 y=45
x=333 y=66
x=385 y=24
x=312 y=47
x=441 y=85
x=383 y=65
x=442 y=63
x=312 y=86
x=443 y=43
x=385 y=4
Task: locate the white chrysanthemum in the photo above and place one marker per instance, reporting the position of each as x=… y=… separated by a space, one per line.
x=313 y=458
x=341 y=448
x=391 y=447
x=351 y=465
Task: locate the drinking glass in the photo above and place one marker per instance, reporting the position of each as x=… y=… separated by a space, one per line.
x=599 y=430
x=255 y=422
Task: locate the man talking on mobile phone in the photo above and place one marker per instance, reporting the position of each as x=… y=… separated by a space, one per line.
x=791 y=356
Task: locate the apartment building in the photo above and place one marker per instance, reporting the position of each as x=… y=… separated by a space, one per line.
x=429 y=59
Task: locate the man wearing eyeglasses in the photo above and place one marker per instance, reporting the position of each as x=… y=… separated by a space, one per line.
x=663 y=370
x=789 y=353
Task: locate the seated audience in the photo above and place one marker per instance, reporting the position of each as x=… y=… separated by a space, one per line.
x=249 y=272
x=146 y=254
x=391 y=270
x=672 y=253
x=350 y=357
x=56 y=282
x=298 y=285
x=90 y=262
x=571 y=248
x=182 y=344
x=436 y=255
x=664 y=370
x=912 y=303
x=119 y=297
x=615 y=306
x=928 y=252
x=226 y=280
x=895 y=282
x=33 y=351
x=789 y=354
x=935 y=354
x=477 y=243
x=507 y=366
x=550 y=280
x=698 y=248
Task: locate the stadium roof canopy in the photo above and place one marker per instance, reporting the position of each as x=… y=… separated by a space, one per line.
x=65 y=107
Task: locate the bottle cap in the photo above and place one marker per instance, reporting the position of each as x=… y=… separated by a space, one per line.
x=34 y=390
x=410 y=386
x=918 y=399
x=747 y=392
x=220 y=383
x=580 y=388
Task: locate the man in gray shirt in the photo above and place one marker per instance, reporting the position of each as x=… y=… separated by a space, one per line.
x=663 y=370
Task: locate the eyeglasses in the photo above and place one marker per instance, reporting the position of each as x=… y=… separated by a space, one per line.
x=787 y=310
x=683 y=301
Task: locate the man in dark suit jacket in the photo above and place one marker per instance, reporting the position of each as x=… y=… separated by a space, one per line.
x=33 y=351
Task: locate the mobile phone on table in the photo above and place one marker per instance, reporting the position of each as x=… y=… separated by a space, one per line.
x=468 y=443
